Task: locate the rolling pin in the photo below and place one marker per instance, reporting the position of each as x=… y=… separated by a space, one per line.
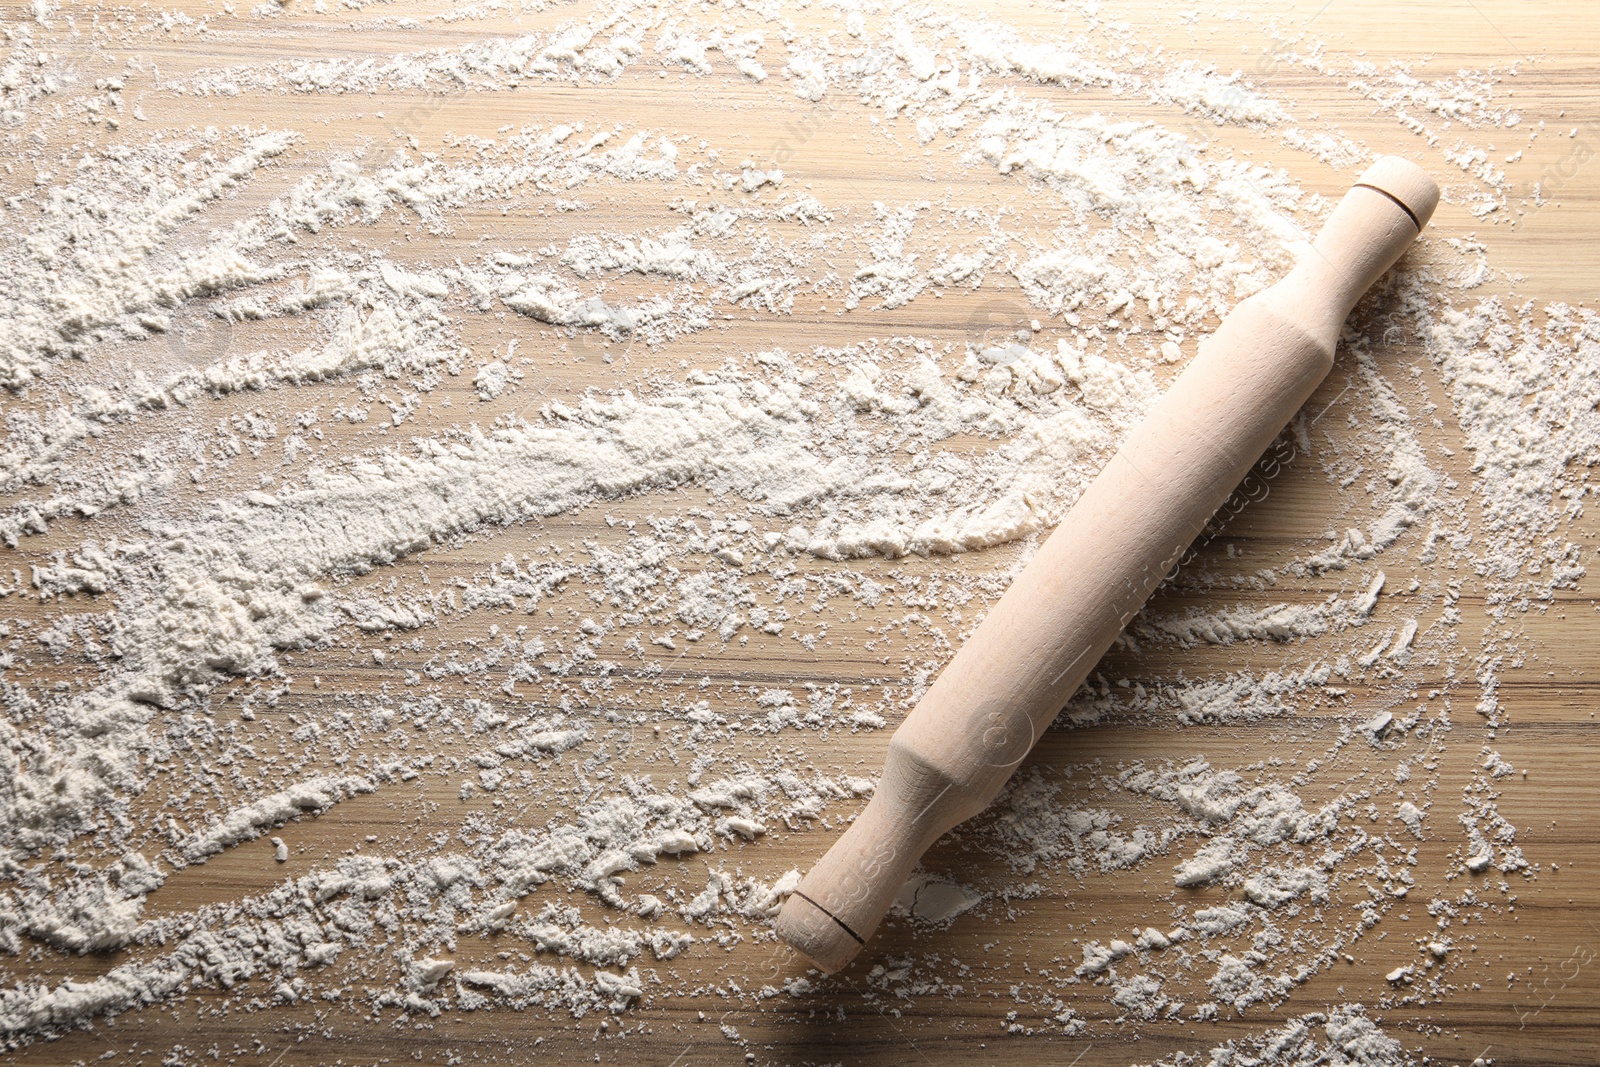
x=981 y=716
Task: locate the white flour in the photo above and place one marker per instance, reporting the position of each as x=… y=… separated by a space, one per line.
x=272 y=398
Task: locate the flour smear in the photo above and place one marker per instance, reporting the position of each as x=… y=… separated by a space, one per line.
x=493 y=526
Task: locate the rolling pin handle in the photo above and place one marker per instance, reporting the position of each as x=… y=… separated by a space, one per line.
x=1372 y=226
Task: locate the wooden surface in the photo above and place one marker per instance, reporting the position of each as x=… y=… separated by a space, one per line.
x=1528 y=995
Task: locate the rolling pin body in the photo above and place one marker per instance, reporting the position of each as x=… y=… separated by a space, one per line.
x=1038 y=643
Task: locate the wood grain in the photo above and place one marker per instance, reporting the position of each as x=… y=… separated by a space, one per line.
x=1528 y=993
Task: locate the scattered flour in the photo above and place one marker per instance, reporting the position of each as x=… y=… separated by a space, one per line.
x=228 y=360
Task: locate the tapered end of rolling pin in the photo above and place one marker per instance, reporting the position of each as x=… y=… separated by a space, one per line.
x=841 y=901
x=1406 y=184
x=1366 y=233
x=816 y=934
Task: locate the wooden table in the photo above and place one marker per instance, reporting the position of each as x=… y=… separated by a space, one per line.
x=1526 y=990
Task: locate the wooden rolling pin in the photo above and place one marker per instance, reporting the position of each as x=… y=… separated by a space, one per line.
x=961 y=742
